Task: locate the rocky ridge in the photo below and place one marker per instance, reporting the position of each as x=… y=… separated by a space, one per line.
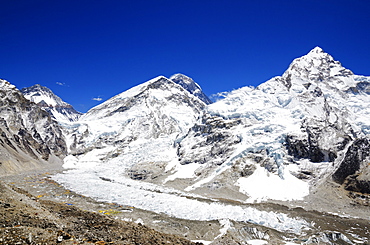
x=29 y=137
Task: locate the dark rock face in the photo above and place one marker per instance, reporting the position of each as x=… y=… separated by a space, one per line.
x=215 y=144
x=310 y=148
x=26 y=129
x=188 y=84
x=354 y=184
x=353 y=170
x=355 y=155
x=298 y=148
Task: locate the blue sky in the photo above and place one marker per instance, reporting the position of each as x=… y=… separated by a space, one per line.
x=86 y=49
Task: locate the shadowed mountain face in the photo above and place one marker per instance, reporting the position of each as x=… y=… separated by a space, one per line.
x=191 y=86
x=28 y=136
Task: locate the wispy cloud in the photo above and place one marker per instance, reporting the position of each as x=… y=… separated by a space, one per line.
x=62 y=84
x=97 y=98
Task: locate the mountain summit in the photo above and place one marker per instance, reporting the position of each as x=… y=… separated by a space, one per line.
x=191 y=86
x=318 y=66
x=47 y=100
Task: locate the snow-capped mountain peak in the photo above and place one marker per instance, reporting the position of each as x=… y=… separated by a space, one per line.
x=150 y=88
x=47 y=100
x=191 y=86
x=318 y=67
x=316 y=50
x=40 y=94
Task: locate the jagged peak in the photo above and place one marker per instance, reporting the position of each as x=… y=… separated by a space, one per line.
x=38 y=88
x=319 y=67
x=317 y=50
x=191 y=86
x=318 y=53
x=5 y=84
x=37 y=93
x=316 y=61
x=185 y=81
x=178 y=76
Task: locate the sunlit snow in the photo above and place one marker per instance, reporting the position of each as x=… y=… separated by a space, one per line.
x=262 y=185
x=134 y=193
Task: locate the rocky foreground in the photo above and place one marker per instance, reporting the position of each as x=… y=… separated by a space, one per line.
x=28 y=219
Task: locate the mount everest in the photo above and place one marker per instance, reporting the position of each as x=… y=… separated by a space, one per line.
x=162 y=146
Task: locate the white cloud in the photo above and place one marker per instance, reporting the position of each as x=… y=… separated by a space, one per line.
x=97 y=98
x=61 y=84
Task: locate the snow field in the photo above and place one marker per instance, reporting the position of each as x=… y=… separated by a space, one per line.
x=261 y=186
x=87 y=182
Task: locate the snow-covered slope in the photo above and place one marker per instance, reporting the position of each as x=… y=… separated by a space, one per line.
x=136 y=126
x=29 y=138
x=47 y=100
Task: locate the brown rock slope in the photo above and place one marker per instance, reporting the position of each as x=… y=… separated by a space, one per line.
x=24 y=219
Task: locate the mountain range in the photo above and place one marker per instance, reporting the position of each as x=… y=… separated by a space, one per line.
x=298 y=139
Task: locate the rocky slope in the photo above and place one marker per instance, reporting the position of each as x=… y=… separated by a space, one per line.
x=27 y=219
x=47 y=100
x=29 y=137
